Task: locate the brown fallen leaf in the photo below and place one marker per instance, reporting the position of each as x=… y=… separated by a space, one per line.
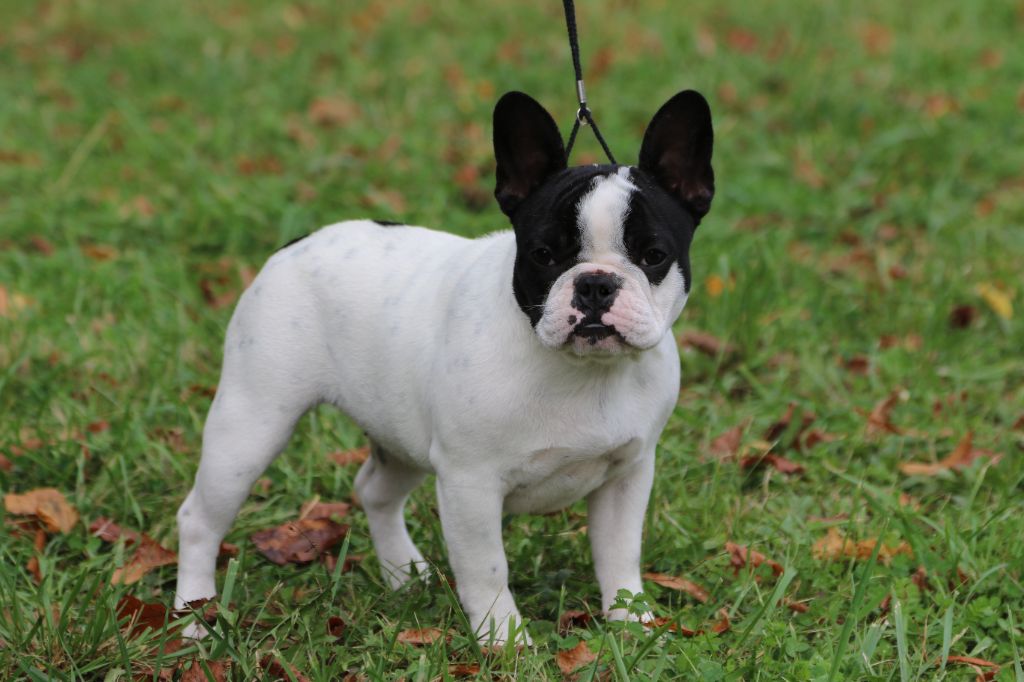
x=463 y=669
x=815 y=436
x=140 y=615
x=727 y=444
x=315 y=509
x=722 y=624
x=962 y=316
x=41 y=244
x=349 y=457
x=298 y=542
x=109 y=531
x=680 y=585
x=779 y=427
x=796 y=606
x=777 y=462
x=961 y=458
x=572 y=619
x=276 y=669
x=197 y=672
x=329 y=112
x=977 y=664
x=1019 y=424
x=47 y=504
x=330 y=562
x=833 y=546
x=99 y=252
x=336 y=626
x=706 y=343
x=571 y=660
x=149 y=554
x=673 y=626
x=421 y=636
x=858 y=364
x=5 y=464
x=259 y=165
x=920 y=578
x=880 y=420
x=740 y=556
x=39 y=543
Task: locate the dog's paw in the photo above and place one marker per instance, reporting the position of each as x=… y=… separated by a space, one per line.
x=195 y=631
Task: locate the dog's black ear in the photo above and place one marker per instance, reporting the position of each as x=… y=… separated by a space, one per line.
x=527 y=147
x=677 y=151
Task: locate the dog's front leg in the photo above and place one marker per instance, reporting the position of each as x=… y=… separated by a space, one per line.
x=470 y=507
x=615 y=514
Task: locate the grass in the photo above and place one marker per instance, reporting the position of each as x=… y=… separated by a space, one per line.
x=869 y=164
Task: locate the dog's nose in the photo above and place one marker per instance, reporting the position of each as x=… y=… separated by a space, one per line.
x=595 y=292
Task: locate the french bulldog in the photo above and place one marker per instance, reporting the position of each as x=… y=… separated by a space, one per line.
x=526 y=369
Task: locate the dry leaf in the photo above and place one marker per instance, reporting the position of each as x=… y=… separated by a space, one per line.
x=99 y=252
x=336 y=626
x=679 y=584
x=858 y=364
x=261 y=165
x=463 y=669
x=742 y=40
x=796 y=606
x=722 y=624
x=816 y=436
x=777 y=462
x=962 y=316
x=876 y=38
x=41 y=245
x=275 y=669
x=996 y=298
x=727 y=444
x=673 y=626
x=740 y=556
x=196 y=673
x=977 y=664
x=920 y=578
x=572 y=619
x=47 y=504
x=315 y=509
x=780 y=426
x=149 y=554
x=349 y=457
x=330 y=112
x=108 y=531
x=571 y=660
x=421 y=636
x=140 y=615
x=961 y=457
x=879 y=421
x=706 y=343
x=298 y=542
x=834 y=547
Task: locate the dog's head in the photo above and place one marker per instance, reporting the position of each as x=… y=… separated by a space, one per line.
x=602 y=261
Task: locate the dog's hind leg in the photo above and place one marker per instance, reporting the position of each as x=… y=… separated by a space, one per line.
x=382 y=486
x=244 y=432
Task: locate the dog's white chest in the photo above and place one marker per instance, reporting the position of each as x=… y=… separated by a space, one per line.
x=553 y=478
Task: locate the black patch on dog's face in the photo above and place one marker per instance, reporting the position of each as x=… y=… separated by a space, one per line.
x=658 y=222
x=549 y=219
x=388 y=223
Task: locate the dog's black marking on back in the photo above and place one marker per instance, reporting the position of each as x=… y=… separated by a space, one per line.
x=295 y=241
x=389 y=223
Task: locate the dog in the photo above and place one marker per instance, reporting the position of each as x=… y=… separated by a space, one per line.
x=527 y=369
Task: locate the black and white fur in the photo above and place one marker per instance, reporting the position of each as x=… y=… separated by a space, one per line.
x=526 y=369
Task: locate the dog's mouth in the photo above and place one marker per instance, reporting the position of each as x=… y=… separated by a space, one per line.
x=594 y=331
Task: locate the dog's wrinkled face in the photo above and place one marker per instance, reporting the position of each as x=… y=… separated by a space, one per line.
x=602 y=263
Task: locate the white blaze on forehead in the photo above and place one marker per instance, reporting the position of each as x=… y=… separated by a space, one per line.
x=602 y=214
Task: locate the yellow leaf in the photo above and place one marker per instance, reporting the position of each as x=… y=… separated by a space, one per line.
x=714 y=285
x=998 y=300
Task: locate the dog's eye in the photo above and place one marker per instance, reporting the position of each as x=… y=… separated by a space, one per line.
x=654 y=257
x=542 y=256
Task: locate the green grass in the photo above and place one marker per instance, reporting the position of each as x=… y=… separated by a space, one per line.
x=851 y=138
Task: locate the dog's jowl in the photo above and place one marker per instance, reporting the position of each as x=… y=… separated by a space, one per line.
x=527 y=369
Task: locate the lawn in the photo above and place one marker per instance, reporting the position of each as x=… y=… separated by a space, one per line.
x=861 y=263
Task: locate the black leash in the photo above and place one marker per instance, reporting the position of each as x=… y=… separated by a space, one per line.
x=583 y=114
